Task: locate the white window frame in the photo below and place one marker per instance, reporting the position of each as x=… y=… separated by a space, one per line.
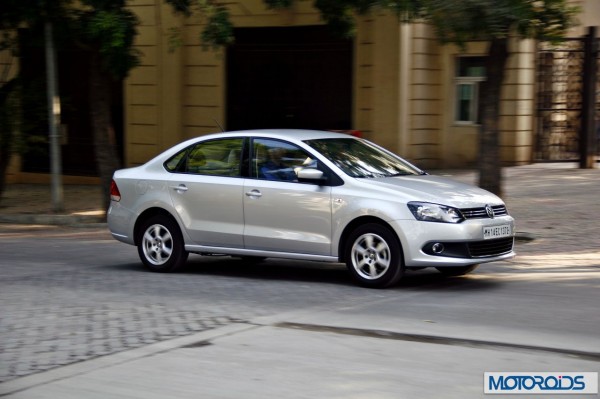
x=475 y=83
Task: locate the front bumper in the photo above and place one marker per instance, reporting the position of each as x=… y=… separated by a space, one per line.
x=459 y=244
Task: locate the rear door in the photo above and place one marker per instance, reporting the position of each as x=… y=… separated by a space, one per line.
x=207 y=192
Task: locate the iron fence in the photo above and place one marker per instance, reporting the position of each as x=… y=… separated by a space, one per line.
x=561 y=102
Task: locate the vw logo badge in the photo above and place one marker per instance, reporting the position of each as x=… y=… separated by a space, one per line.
x=489 y=211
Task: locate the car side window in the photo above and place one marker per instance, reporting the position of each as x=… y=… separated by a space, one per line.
x=278 y=160
x=212 y=158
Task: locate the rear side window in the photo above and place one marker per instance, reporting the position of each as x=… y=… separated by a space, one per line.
x=172 y=164
x=220 y=157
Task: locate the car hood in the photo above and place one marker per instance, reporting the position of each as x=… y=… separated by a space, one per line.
x=436 y=189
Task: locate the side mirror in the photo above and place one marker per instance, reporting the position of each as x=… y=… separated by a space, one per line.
x=309 y=175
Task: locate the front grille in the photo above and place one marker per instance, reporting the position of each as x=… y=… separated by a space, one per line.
x=500 y=246
x=480 y=213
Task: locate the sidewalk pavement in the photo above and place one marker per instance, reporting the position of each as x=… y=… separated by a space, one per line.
x=269 y=358
x=32 y=204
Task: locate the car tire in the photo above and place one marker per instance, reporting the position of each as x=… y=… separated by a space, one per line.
x=374 y=256
x=160 y=245
x=456 y=270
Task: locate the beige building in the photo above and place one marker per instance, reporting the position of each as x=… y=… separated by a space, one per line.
x=408 y=92
x=393 y=82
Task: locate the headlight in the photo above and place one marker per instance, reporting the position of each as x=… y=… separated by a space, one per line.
x=427 y=212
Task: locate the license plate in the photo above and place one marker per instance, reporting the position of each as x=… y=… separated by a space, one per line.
x=503 y=230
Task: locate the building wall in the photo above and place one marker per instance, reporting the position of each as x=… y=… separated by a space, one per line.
x=377 y=73
x=153 y=89
x=517 y=108
x=403 y=86
x=8 y=66
x=589 y=17
x=459 y=141
x=427 y=102
x=179 y=93
x=174 y=95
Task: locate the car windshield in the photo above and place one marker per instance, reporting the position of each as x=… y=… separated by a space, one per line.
x=359 y=158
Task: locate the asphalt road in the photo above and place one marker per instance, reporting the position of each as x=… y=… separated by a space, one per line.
x=74 y=294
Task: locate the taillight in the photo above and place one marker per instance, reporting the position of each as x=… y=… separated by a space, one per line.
x=115 y=195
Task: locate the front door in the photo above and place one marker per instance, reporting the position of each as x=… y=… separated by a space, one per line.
x=282 y=214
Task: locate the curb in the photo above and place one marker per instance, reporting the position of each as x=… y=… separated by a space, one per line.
x=521 y=236
x=56 y=220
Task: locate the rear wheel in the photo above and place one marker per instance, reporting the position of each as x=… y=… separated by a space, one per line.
x=160 y=244
x=456 y=270
x=374 y=257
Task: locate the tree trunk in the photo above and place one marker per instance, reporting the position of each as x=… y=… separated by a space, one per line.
x=105 y=148
x=8 y=115
x=490 y=171
x=4 y=162
x=5 y=149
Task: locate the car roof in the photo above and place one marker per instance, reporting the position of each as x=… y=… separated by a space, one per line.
x=289 y=134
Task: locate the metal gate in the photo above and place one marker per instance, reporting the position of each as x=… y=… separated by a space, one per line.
x=560 y=101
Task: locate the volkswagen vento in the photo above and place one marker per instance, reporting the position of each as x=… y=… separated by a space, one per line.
x=308 y=195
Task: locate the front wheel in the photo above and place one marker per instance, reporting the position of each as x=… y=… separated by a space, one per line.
x=374 y=257
x=456 y=270
x=160 y=245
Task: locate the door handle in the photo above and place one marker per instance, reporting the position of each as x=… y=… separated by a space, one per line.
x=254 y=193
x=181 y=187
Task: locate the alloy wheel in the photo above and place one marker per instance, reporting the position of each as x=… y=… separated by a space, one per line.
x=157 y=244
x=371 y=256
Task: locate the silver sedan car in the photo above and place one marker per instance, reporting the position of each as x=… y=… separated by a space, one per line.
x=309 y=195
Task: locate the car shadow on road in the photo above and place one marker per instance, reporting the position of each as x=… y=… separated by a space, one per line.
x=431 y=279
x=269 y=269
x=317 y=272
